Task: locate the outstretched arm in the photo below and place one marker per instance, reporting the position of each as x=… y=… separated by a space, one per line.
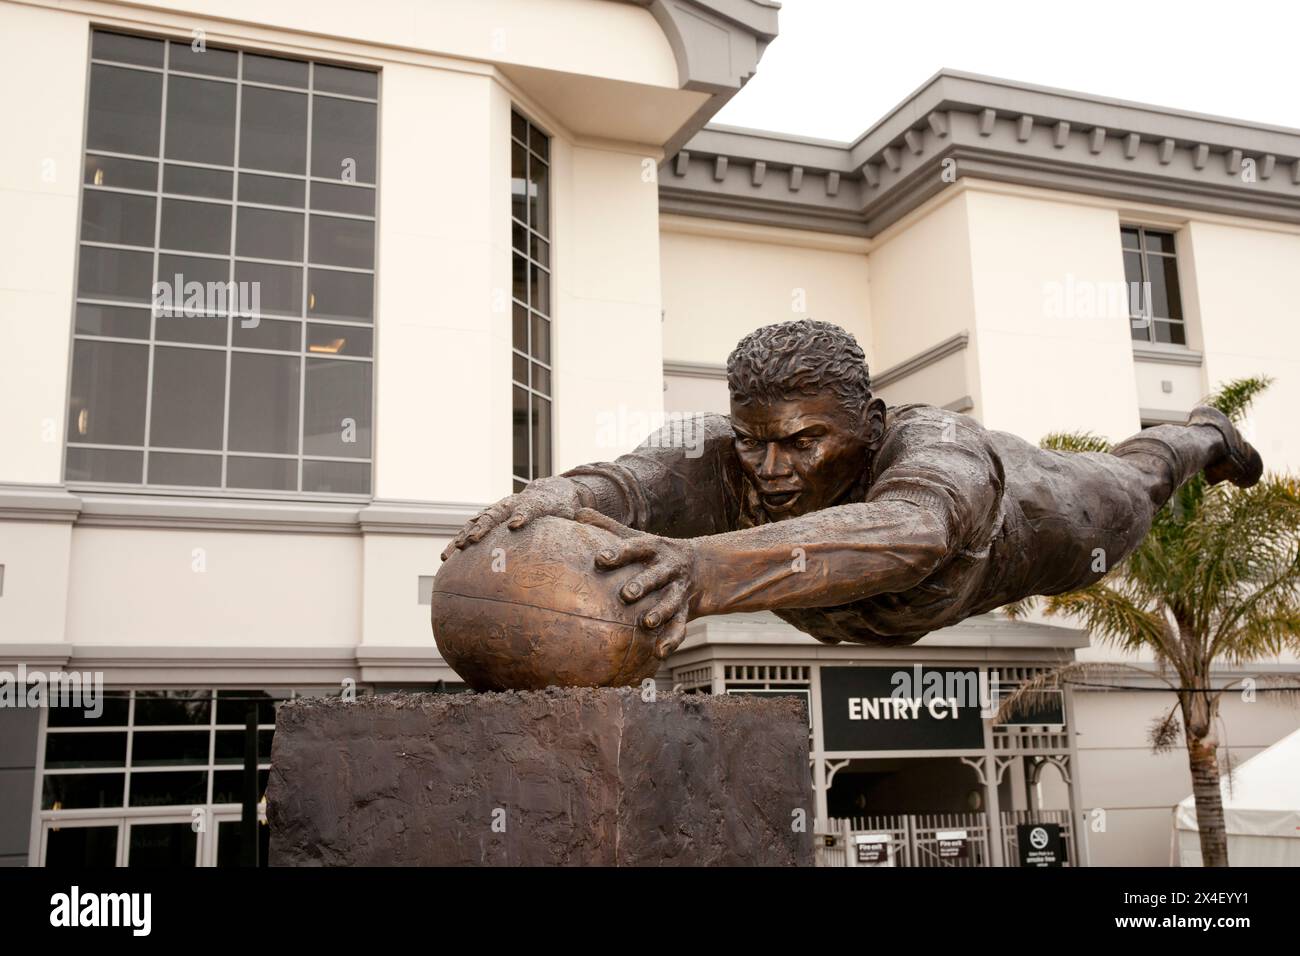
x=677 y=483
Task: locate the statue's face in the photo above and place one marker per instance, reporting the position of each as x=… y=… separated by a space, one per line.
x=804 y=454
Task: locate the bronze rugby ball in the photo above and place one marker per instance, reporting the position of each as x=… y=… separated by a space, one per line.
x=527 y=609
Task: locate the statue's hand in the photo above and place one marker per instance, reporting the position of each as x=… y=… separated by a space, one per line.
x=545 y=496
x=666 y=583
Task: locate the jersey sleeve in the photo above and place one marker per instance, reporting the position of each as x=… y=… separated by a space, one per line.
x=944 y=462
x=683 y=481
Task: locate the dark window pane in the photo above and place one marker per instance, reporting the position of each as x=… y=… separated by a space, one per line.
x=195 y=227
x=541 y=250
x=127 y=49
x=197 y=181
x=115 y=705
x=233 y=706
x=540 y=290
x=114 y=274
x=1170 y=332
x=269 y=234
x=343 y=140
x=519 y=327
x=341 y=197
x=200 y=120
x=273 y=130
x=121 y=173
x=519 y=368
x=78 y=791
x=68 y=751
x=104 y=464
x=272 y=69
x=125 y=112
x=519 y=237
x=1164 y=287
x=541 y=437
x=1128 y=237
x=189 y=393
x=272 y=190
x=263 y=402
x=167 y=468
x=166 y=789
x=340 y=295
x=336 y=422
x=541 y=338
x=276 y=474
x=113 y=321
x=339 y=340
x=191 y=329
x=108 y=393
x=342 y=242
x=539 y=196
x=162 y=845
x=161 y=748
x=209 y=60
x=173 y=707
x=336 y=477
x=520 y=432
x=519 y=486
x=228 y=785
x=192 y=286
x=229 y=853
x=538 y=142
x=1140 y=329
x=81 y=847
x=518 y=127
x=1132 y=267
x=269 y=334
x=519 y=275
x=1160 y=242
x=279 y=287
x=230 y=743
x=339 y=79
x=518 y=184
x=541 y=379
x=121 y=218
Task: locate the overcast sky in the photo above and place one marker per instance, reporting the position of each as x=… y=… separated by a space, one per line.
x=837 y=66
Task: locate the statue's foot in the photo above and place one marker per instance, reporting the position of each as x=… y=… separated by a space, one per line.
x=1241 y=463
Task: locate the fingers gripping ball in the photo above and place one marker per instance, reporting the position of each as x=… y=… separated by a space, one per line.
x=537 y=612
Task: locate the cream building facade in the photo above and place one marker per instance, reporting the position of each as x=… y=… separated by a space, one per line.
x=537 y=250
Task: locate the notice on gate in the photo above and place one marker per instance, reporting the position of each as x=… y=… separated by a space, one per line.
x=1040 y=844
x=873 y=849
x=952 y=844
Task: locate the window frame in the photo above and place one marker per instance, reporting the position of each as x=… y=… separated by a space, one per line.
x=304 y=320
x=530 y=355
x=1142 y=252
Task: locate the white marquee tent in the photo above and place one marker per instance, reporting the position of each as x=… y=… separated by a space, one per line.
x=1261 y=811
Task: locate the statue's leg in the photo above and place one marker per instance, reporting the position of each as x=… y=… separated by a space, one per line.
x=1168 y=455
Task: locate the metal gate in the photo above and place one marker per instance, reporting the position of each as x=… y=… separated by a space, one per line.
x=934 y=839
x=1011 y=836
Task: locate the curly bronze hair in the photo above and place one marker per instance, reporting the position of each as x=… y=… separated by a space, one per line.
x=782 y=361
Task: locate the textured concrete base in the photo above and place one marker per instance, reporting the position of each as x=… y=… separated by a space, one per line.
x=572 y=776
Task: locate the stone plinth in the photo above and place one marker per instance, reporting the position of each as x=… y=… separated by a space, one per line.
x=572 y=776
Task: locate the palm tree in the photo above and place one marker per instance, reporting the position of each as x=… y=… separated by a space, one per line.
x=1217 y=579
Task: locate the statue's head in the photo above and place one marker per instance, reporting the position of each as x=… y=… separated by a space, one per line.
x=805 y=422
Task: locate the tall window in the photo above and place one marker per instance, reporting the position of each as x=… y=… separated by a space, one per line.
x=531 y=353
x=1149 y=258
x=223 y=335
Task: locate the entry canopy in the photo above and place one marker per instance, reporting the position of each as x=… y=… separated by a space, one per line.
x=1261 y=811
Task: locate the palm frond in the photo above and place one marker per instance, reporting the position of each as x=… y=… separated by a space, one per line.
x=1234 y=397
x=1074 y=441
x=1030 y=694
